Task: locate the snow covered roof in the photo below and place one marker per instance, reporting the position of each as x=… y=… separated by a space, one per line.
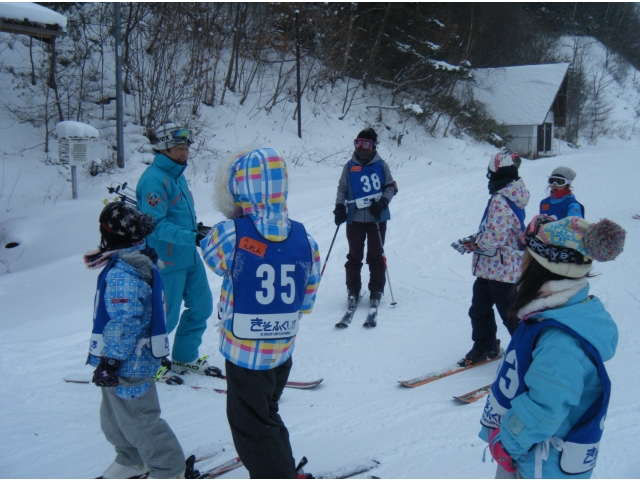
x=32 y=13
x=519 y=95
x=69 y=128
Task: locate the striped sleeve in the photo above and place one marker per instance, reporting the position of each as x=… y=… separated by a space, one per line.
x=314 y=279
x=218 y=246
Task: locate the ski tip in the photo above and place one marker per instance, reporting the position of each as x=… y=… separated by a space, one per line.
x=342 y=325
x=77 y=378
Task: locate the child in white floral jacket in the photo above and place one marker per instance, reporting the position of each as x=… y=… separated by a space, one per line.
x=497 y=255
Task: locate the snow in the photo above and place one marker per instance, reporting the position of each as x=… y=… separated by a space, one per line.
x=439 y=64
x=519 y=95
x=414 y=107
x=69 y=128
x=359 y=412
x=31 y=12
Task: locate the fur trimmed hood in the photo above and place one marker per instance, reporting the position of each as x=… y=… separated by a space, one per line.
x=568 y=302
x=253 y=183
x=141 y=263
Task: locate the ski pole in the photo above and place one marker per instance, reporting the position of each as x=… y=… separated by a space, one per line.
x=329 y=252
x=123 y=196
x=384 y=258
x=124 y=186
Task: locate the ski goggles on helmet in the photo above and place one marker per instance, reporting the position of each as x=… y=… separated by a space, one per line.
x=364 y=144
x=559 y=181
x=183 y=135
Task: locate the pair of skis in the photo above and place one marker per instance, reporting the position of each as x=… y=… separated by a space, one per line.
x=178 y=380
x=468 y=397
x=372 y=315
x=345 y=472
x=214 y=472
x=169 y=379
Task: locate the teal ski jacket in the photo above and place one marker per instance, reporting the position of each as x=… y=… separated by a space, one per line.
x=163 y=193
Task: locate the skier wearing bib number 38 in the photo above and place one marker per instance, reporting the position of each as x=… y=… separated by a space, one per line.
x=365 y=190
x=545 y=414
x=271 y=270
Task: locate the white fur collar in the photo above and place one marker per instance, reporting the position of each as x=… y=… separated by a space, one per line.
x=553 y=294
x=222 y=197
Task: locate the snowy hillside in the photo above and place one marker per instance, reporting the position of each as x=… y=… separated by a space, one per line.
x=614 y=85
x=51 y=428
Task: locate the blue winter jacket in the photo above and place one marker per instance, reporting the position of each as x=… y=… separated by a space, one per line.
x=566 y=206
x=562 y=384
x=128 y=299
x=163 y=193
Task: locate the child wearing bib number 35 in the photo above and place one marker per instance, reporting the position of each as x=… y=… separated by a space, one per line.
x=271 y=270
x=546 y=411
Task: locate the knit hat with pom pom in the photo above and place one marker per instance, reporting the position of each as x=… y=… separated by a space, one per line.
x=569 y=246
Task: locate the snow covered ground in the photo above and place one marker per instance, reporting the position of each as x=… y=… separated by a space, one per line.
x=51 y=428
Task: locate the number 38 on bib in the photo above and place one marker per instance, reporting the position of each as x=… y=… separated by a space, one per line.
x=366 y=183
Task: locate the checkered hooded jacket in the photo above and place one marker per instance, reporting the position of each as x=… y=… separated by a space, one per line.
x=252 y=184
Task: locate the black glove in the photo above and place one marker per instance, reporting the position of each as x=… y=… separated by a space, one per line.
x=376 y=208
x=106 y=373
x=203 y=231
x=340 y=214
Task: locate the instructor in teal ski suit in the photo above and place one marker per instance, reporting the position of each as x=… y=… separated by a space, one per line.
x=163 y=193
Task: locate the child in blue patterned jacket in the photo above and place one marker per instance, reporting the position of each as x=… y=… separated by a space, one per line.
x=128 y=341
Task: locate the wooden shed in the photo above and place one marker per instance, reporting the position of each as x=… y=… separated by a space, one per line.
x=33 y=20
x=531 y=100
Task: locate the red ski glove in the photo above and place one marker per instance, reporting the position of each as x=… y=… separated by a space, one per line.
x=499 y=454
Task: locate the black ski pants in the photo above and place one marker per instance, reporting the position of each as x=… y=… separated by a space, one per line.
x=259 y=434
x=357 y=234
x=486 y=294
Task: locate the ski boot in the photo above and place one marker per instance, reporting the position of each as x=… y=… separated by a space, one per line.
x=199 y=365
x=374 y=298
x=189 y=471
x=352 y=299
x=476 y=356
x=164 y=369
x=116 y=470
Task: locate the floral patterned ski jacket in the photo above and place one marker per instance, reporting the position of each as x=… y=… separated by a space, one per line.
x=502 y=233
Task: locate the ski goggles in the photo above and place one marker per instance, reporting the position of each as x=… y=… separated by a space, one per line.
x=183 y=136
x=559 y=181
x=364 y=144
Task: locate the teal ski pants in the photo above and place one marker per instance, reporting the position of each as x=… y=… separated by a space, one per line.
x=191 y=285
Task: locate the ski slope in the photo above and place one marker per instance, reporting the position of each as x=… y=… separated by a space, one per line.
x=51 y=428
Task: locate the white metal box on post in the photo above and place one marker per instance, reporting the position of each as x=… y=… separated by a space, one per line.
x=73 y=140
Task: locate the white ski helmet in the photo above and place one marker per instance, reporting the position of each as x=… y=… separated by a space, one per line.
x=169 y=135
